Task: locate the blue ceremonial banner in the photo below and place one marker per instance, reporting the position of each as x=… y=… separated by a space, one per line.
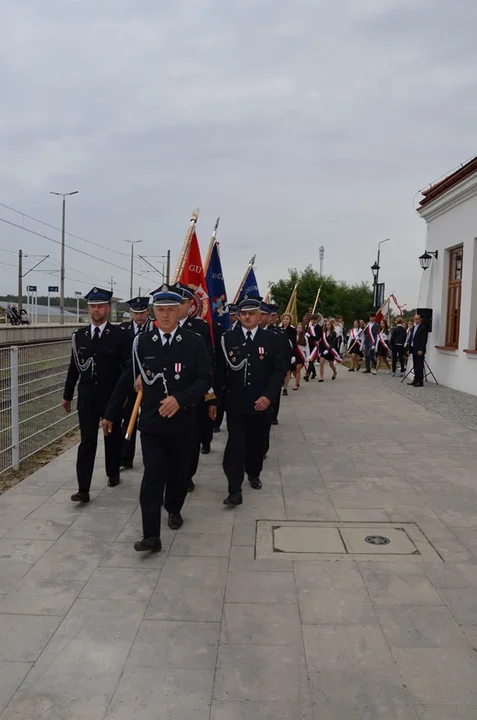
x=216 y=289
x=250 y=285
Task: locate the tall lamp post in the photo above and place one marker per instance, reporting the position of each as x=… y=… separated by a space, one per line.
x=133 y=242
x=375 y=270
x=62 y=268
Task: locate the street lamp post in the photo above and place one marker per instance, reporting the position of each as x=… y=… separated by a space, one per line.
x=133 y=242
x=62 y=268
x=375 y=270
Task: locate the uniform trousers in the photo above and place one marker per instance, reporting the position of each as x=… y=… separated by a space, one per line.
x=245 y=446
x=266 y=446
x=276 y=408
x=398 y=352
x=369 y=357
x=418 y=365
x=89 y=424
x=311 y=371
x=220 y=413
x=166 y=466
x=129 y=446
x=203 y=434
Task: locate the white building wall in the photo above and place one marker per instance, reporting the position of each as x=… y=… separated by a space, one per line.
x=451 y=221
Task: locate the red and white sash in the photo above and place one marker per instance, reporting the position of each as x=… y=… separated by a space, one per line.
x=381 y=341
x=354 y=338
x=313 y=354
x=331 y=350
x=301 y=355
x=369 y=330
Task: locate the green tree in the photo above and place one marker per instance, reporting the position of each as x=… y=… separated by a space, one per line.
x=336 y=298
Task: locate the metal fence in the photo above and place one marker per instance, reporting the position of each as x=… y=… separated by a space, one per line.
x=32 y=379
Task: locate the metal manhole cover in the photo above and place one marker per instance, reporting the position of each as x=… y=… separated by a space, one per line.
x=377 y=540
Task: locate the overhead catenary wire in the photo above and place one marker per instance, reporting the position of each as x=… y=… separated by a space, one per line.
x=70 y=247
x=53 y=227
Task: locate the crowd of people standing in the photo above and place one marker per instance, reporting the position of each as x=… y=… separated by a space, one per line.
x=173 y=378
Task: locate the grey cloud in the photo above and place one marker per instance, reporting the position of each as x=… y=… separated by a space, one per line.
x=300 y=124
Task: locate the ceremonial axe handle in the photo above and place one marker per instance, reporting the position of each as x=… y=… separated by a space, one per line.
x=134 y=414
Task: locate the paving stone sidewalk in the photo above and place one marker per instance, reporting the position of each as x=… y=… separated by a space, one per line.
x=211 y=630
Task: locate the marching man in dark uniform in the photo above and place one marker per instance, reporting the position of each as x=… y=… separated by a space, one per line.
x=273 y=327
x=251 y=368
x=140 y=323
x=233 y=315
x=205 y=426
x=174 y=371
x=99 y=353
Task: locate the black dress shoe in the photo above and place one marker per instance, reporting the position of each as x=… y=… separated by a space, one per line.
x=306 y=378
x=190 y=485
x=256 y=483
x=127 y=464
x=418 y=384
x=175 y=521
x=413 y=384
x=285 y=392
x=112 y=482
x=152 y=545
x=80 y=497
x=205 y=449
x=233 y=499
x=274 y=421
x=367 y=372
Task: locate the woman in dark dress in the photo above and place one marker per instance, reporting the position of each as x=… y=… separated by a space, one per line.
x=300 y=354
x=290 y=333
x=382 y=349
x=355 y=343
x=327 y=350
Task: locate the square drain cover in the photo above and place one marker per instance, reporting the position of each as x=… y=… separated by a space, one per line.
x=326 y=539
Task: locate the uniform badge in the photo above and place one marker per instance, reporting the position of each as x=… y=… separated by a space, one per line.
x=179 y=338
x=155 y=338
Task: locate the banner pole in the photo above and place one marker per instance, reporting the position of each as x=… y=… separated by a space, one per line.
x=249 y=267
x=185 y=248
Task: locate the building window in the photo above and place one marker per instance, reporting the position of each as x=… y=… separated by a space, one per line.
x=454 y=294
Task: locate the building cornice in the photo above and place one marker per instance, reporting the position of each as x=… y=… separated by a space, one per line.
x=450 y=199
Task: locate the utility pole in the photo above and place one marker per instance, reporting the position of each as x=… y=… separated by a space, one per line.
x=20 y=281
x=321 y=251
x=112 y=284
x=168 y=267
x=62 y=267
x=133 y=242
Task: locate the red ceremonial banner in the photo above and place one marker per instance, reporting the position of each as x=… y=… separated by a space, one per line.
x=193 y=276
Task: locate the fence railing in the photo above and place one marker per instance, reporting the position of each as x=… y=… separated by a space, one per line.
x=32 y=379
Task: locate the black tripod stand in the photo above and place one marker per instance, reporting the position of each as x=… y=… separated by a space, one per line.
x=427 y=372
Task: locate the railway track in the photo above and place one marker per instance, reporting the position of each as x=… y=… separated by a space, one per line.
x=30 y=385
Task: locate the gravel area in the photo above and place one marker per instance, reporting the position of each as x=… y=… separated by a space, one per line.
x=457 y=406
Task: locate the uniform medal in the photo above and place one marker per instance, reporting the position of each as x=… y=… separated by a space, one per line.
x=261 y=352
x=177 y=368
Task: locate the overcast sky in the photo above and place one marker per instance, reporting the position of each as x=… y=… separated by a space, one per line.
x=301 y=124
